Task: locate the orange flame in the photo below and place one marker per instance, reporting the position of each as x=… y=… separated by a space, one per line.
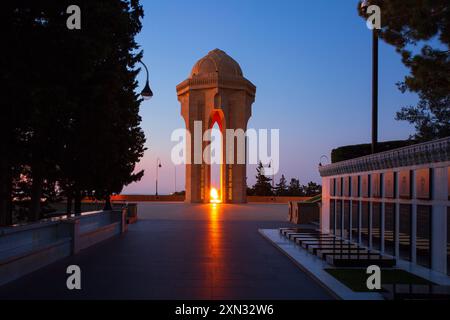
x=214 y=196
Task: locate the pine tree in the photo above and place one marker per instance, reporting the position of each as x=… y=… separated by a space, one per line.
x=262 y=186
x=281 y=188
x=102 y=159
x=294 y=188
x=312 y=189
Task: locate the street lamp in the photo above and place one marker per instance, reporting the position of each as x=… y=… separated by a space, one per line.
x=364 y=5
x=175 y=178
x=146 y=93
x=158 y=165
x=323 y=157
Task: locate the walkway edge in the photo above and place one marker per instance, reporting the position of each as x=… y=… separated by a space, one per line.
x=314 y=267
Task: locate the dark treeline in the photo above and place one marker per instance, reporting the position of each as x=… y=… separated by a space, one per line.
x=69 y=124
x=263 y=186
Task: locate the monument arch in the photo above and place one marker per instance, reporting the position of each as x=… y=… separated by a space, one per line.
x=216 y=91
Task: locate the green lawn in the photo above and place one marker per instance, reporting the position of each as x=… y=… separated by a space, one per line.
x=356 y=279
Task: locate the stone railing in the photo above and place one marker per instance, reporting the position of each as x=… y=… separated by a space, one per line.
x=428 y=152
x=26 y=248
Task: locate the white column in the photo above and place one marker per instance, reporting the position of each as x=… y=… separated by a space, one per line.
x=439 y=220
x=350 y=225
x=397 y=218
x=413 y=219
x=397 y=231
x=325 y=212
x=359 y=220
x=382 y=227
x=370 y=223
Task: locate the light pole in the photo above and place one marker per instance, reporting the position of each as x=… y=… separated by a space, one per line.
x=146 y=93
x=364 y=5
x=175 y=177
x=158 y=165
x=374 y=90
x=273 y=176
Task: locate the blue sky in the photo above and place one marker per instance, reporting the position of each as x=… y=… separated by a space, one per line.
x=310 y=61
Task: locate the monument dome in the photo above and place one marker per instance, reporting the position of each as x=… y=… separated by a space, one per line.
x=217 y=61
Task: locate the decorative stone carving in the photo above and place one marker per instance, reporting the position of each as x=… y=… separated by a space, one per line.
x=427 y=152
x=365 y=186
x=404 y=187
x=216 y=91
x=355 y=186
x=423 y=190
x=389 y=185
x=376 y=185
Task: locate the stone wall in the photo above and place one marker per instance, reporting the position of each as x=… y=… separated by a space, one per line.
x=24 y=249
x=171 y=198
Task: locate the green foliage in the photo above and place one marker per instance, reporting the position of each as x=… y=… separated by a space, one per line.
x=405 y=25
x=71 y=122
x=431 y=80
x=295 y=189
x=360 y=150
x=262 y=186
x=312 y=189
x=281 y=188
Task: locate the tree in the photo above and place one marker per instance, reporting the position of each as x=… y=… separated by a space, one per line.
x=71 y=124
x=262 y=186
x=281 y=188
x=294 y=188
x=404 y=25
x=312 y=189
x=101 y=160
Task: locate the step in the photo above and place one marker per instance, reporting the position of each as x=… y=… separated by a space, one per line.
x=307 y=244
x=362 y=261
x=315 y=250
x=415 y=292
x=323 y=254
x=293 y=236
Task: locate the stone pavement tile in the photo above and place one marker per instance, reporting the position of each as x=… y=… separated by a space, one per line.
x=179 y=251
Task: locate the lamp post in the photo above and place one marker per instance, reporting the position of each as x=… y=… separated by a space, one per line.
x=158 y=165
x=364 y=5
x=146 y=93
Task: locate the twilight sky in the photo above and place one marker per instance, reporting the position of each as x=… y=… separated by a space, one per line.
x=310 y=62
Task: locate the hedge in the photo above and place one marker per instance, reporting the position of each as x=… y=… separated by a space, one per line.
x=360 y=150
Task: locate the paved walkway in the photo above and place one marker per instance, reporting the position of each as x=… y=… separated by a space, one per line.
x=179 y=251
